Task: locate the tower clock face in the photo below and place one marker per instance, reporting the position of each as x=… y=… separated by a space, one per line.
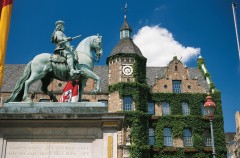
x=127 y=70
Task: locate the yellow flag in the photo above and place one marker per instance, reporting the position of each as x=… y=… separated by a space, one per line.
x=5 y=16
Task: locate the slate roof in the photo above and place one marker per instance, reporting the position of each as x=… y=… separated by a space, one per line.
x=12 y=73
x=154 y=72
x=195 y=73
x=126 y=46
x=102 y=72
x=125 y=25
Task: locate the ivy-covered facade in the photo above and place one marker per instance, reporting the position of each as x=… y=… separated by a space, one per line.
x=167 y=118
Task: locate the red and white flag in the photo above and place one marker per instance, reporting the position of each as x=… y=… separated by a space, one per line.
x=70 y=93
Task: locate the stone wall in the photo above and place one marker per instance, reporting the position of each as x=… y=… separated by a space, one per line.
x=115 y=71
x=178 y=142
x=115 y=102
x=116 y=67
x=237 y=137
x=158 y=109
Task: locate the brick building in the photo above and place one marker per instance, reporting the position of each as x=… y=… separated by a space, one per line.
x=163 y=106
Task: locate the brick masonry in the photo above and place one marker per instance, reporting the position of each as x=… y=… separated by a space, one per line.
x=177 y=71
x=115 y=102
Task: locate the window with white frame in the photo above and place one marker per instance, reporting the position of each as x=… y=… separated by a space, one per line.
x=151 y=108
x=151 y=136
x=127 y=103
x=166 y=108
x=167 y=134
x=177 y=86
x=185 y=109
x=207 y=138
x=187 y=137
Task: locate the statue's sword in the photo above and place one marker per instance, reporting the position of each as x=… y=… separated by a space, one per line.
x=69 y=39
x=75 y=37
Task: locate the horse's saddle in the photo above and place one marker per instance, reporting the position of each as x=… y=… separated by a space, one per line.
x=57 y=58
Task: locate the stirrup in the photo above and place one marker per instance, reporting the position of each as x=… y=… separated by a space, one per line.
x=72 y=72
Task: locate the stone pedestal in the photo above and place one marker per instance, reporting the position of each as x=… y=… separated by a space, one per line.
x=58 y=130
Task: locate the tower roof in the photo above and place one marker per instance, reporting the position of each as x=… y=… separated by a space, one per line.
x=126 y=46
x=125 y=25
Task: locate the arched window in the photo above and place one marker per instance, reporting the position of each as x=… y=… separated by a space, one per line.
x=167 y=134
x=166 y=108
x=187 y=137
x=127 y=103
x=185 y=109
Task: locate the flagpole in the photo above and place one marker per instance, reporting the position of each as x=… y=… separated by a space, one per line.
x=5 y=16
x=1 y=99
x=234 y=5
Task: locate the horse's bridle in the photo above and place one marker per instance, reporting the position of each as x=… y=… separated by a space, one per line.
x=97 y=46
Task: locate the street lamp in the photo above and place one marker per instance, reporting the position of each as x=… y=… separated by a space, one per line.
x=210 y=108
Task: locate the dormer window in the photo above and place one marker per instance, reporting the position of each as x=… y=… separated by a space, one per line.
x=124 y=34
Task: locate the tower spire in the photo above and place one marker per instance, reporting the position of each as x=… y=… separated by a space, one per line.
x=125 y=31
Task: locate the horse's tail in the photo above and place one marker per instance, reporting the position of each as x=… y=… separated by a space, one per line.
x=18 y=91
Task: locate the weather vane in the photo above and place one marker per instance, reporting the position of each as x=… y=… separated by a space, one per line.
x=125 y=10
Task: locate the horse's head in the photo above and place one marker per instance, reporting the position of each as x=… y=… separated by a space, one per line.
x=96 y=44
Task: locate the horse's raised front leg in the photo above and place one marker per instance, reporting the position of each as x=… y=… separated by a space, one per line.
x=96 y=78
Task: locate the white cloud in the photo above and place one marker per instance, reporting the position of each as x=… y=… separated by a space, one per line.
x=159 y=47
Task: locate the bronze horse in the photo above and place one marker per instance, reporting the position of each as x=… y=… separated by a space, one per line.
x=43 y=67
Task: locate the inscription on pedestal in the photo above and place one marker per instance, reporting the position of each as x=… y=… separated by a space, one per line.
x=48 y=149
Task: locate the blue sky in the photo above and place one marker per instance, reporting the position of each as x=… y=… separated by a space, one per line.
x=194 y=27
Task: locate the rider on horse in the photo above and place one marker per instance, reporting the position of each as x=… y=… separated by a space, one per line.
x=63 y=46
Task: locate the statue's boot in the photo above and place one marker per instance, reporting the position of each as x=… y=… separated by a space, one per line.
x=70 y=64
x=72 y=72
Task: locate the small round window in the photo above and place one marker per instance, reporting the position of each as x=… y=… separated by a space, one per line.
x=59 y=84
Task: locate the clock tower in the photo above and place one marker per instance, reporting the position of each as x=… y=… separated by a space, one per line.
x=125 y=59
x=128 y=92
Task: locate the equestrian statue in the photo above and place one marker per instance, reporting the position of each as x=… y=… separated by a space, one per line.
x=65 y=64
